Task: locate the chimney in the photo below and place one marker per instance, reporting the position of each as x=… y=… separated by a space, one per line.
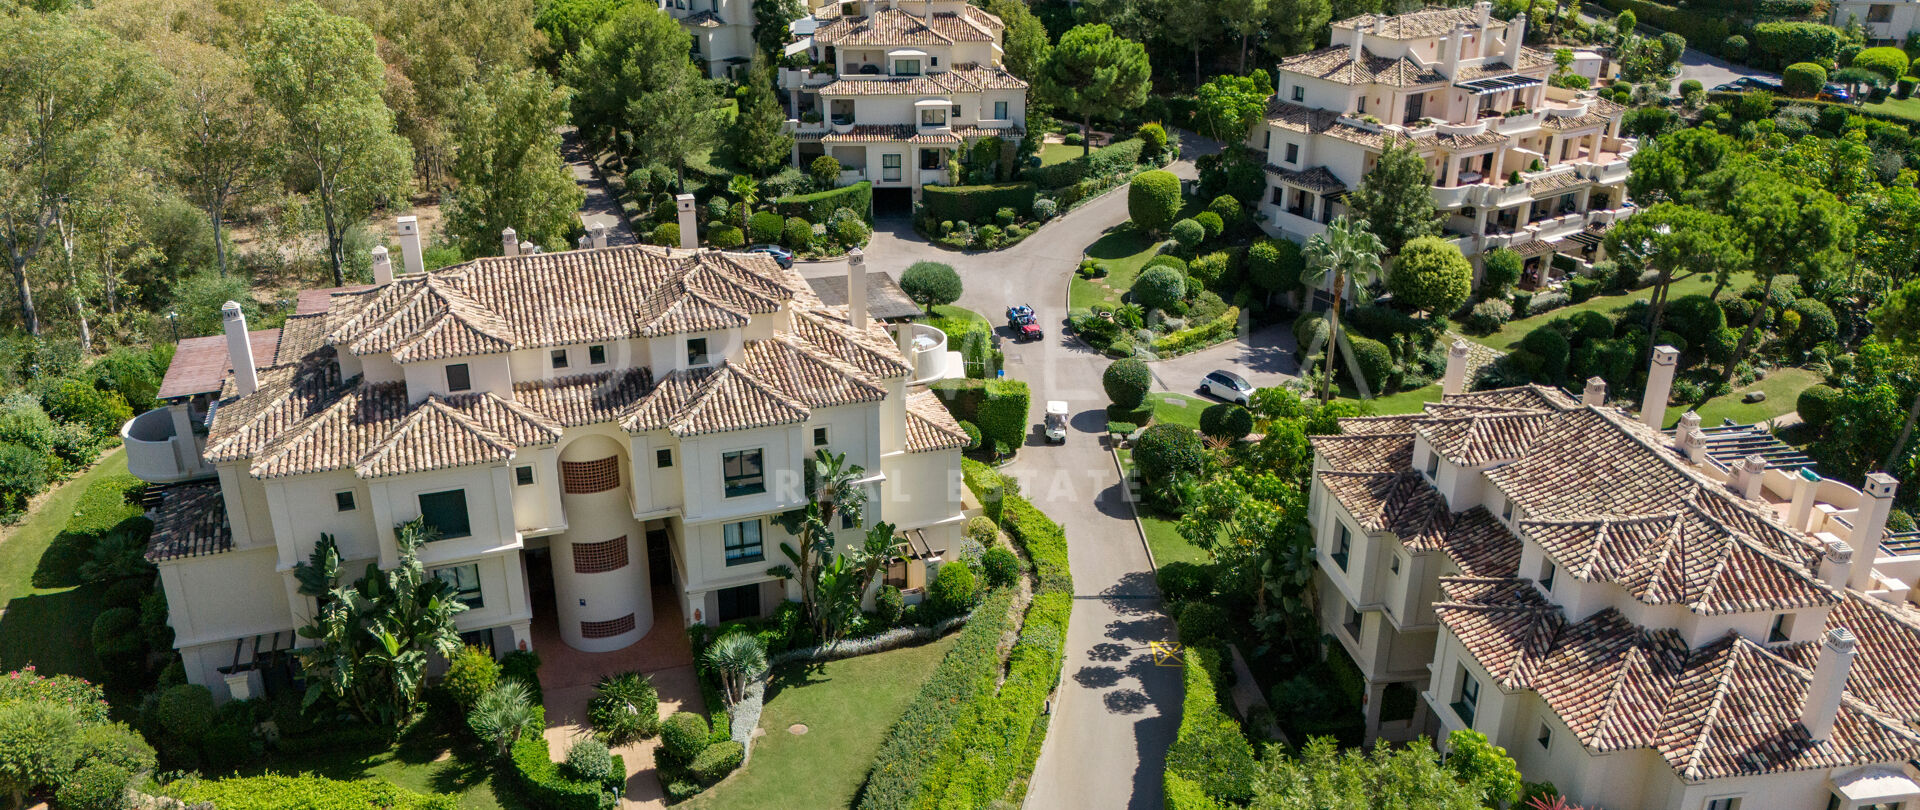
x=382 y=265
x=1836 y=560
x=1829 y=683
x=1753 y=472
x=857 y=288
x=1359 y=33
x=689 y=226
x=582 y=243
x=1805 y=483
x=1691 y=440
x=1516 y=33
x=1456 y=43
x=1483 y=11
x=239 y=348
x=409 y=230
x=509 y=242
x=597 y=234
x=527 y=248
x=1456 y=380
x=1596 y=393
x=1869 y=524
x=1653 y=409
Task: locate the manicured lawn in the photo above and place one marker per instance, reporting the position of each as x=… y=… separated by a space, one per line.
x=424 y=761
x=48 y=627
x=1783 y=389
x=1406 y=401
x=1178 y=409
x=949 y=312
x=1125 y=251
x=1162 y=538
x=1058 y=153
x=1506 y=338
x=846 y=706
x=1908 y=108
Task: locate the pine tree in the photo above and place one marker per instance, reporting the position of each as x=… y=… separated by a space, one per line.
x=758 y=142
x=1395 y=201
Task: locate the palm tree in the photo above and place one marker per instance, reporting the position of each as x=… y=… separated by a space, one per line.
x=831 y=492
x=502 y=714
x=1351 y=254
x=747 y=190
x=739 y=658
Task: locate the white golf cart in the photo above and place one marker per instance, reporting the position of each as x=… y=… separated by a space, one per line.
x=1056 y=425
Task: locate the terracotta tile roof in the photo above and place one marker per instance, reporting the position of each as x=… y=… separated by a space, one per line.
x=1336 y=64
x=704 y=19
x=972 y=132
x=816 y=380
x=1451 y=410
x=1556 y=183
x=1608 y=678
x=549 y=299
x=1377 y=425
x=376 y=432
x=885 y=300
x=586 y=399
x=1476 y=441
x=870 y=350
x=870 y=133
x=1365 y=453
x=1455 y=141
x=1480 y=545
x=928 y=85
x=200 y=366
x=300 y=336
x=288 y=395
x=1503 y=623
x=898 y=27
x=1524 y=396
x=1401 y=503
x=1886 y=663
x=935 y=138
x=1317 y=179
x=1431 y=22
x=191 y=521
x=977 y=77
x=930 y=426
x=1298 y=117
x=319 y=301
x=1599 y=111
x=734 y=398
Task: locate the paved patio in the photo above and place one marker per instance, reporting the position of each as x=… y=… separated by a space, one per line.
x=567 y=676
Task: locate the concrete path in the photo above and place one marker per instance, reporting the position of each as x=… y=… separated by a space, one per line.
x=600 y=206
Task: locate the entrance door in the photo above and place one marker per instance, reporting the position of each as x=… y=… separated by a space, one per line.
x=1416 y=107
x=659 y=558
x=738 y=603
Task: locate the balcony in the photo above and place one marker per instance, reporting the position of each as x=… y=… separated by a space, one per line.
x=1445 y=198
x=1524 y=122
x=849 y=176
x=157 y=454
x=933 y=177
x=926 y=348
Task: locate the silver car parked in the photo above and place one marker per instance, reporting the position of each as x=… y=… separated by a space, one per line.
x=1228 y=386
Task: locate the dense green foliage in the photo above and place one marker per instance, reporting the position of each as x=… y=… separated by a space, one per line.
x=1209 y=750
x=1803 y=79
x=819 y=206
x=1164 y=452
x=1160 y=288
x=279 y=792
x=1153 y=200
x=1127 y=382
x=976 y=203
x=999 y=407
x=1431 y=276
x=931 y=284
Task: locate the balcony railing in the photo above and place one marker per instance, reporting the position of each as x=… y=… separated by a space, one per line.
x=156 y=453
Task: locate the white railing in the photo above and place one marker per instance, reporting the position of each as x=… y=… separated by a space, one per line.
x=156 y=453
x=850 y=176
x=933 y=177
x=1519 y=123
x=1454 y=197
x=927 y=346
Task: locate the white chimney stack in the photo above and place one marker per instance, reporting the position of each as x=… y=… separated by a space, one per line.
x=1456 y=44
x=1484 y=12
x=689 y=226
x=1869 y=525
x=1753 y=472
x=509 y=242
x=1691 y=440
x=527 y=247
x=239 y=348
x=1455 y=381
x=1805 y=483
x=857 y=288
x=1836 y=560
x=1359 y=33
x=409 y=230
x=1596 y=393
x=1516 y=33
x=582 y=243
x=597 y=234
x=1828 y=684
x=382 y=265
x=1653 y=409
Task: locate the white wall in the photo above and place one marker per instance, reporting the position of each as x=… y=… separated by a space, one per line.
x=225 y=596
x=594 y=518
x=489 y=511
x=782 y=450
x=484 y=373
x=304 y=507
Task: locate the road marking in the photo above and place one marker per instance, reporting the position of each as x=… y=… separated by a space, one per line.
x=1165 y=653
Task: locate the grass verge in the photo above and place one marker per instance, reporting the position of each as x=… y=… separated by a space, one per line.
x=48 y=627
x=1506 y=338
x=1125 y=250
x=1782 y=387
x=1163 y=539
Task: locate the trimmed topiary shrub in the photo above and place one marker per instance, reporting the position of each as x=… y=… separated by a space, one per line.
x=952 y=590
x=1160 y=287
x=1816 y=404
x=718 y=760
x=1212 y=222
x=1153 y=140
x=1553 y=350
x=1153 y=200
x=470 y=674
x=1000 y=566
x=95 y=786
x=1489 y=316
x=1226 y=422
x=977 y=203
x=1889 y=62
x=1431 y=275
x=1734 y=48
x=726 y=236
x=1167 y=260
x=589 y=761
x=1189 y=233
x=821 y=205
x=1201 y=623
x=666 y=234
x=766 y=227
x=1127 y=382
x=1165 y=451
x=797 y=234
x=682 y=737
x=1803 y=79
x=1184 y=581
x=824 y=170
x=185 y=711
x=1374 y=359
x=1817 y=324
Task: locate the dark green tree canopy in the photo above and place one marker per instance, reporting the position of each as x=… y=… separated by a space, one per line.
x=1229 y=106
x=1430 y=275
x=931 y=284
x=1092 y=72
x=1127 y=381
x=1395 y=201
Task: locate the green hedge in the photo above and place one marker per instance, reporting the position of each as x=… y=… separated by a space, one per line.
x=820 y=205
x=998 y=407
x=541 y=784
x=277 y=792
x=1209 y=749
x=1117 y=157
x=976 y=203
x=1701 y=30
x=1199 y=337
x=916 y=740
x=1044 y=540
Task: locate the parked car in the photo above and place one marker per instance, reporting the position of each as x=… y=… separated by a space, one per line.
x=1745 y=83
x=1020 y=319
x=1228 y=386
x=779 y=254
x=1056 y=425
x=1836 y=93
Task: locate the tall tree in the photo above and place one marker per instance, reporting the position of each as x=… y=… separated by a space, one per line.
x=636 y=92
x=1293 y=25
x=1346 y=253
x=770 y=21
x=1791 y=229
x=832 y=583
x=759 y=141
x=1190 y=24
x=507 y=168
x=1229 y=106
x=70 y=95
x=1395 y=200
x=1896 y=322
x=1025 y=39
x=320 y=73
x=1246 y=18
x=228 y=135
x=1092 y=72
x=1670 y=238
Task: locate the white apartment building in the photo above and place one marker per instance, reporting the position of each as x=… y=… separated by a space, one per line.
x=1459 y=85
x=907 y=85
x=1886 y=22
x=602 y=438
x=722 y=33
x=1635 y=621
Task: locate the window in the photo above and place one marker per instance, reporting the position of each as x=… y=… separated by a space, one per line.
x=933 y=61
x=1393 y=564
x=956 y=111
x=609 y=628
x=741 y=469
x=1000 y=110
x=696 y=351
x=1350 y=622
x=1728 y=803
x=930 y=159
x=1547 y=570
x=559 y=358
x=1782 y=629
x=819 y=437
x=663 y=458
x=458 y=378
x=1879 y=13
x=1279 y=196
x=1266 y=139
x=597 y=355
x=446 y=512
x=343 y=501
x=1433 y=465
x=1469 y=697
x=1546 y=736
x=465 y=580
x=930 y=117
x=742 y=602
x=1293 y=153
x=1299 y=93
x=601 y=557
x=1363 y=105
x=1341 y=547
x=890 y=167
x=743 y=543
x=906 y=67
x=523 y=476
x=1506 y=509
